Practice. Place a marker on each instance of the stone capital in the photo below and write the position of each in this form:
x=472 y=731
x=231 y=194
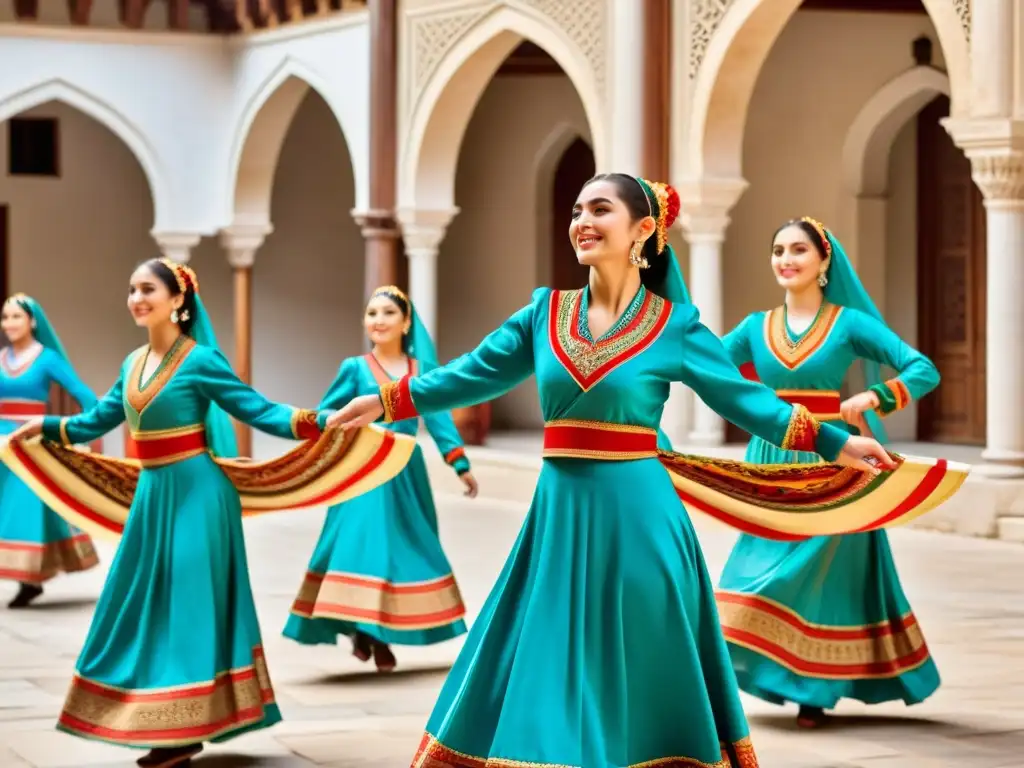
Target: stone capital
x=376 y=223
x=177 y=246
x=705 y=205
x=423 y=229
x=241 y=241
x=995 y=147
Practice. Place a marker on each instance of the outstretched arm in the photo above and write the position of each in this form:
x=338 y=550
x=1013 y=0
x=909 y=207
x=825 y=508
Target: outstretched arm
x=503 y=360
x=219 y=383
x=92 y=424
x=706 y=367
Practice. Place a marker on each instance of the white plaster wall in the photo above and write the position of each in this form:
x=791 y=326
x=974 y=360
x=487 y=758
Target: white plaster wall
x=332 y=56
x=308 y=275
x=167 y=91
x=75 y=240
x=489 y=260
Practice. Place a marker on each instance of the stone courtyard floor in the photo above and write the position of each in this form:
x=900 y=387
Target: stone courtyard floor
x=968 y=594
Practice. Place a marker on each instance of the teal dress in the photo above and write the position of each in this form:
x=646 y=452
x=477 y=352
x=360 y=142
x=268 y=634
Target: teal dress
x=36 y=543
x=378 y=567
x=174 y=654
x=822 y=619
x=599 y=646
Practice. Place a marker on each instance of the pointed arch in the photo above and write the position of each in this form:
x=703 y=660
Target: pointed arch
x=429 y=154
x=260 y=135
x=104 y=113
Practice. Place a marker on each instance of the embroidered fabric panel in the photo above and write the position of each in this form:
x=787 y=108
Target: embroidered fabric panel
x=793 y=354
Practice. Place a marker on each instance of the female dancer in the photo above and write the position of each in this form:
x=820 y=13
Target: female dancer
x=35 y=542
x=174 y=656
x=822 y=619
x=600 y=643
x=378 y=572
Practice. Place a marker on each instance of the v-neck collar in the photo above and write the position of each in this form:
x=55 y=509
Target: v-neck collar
x=140 y=394
x=794 y=352
x=624 y=319
x=11 y=369
x=380 y=373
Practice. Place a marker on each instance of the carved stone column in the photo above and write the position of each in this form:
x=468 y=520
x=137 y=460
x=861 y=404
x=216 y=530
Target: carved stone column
x=705 y=217
x=626 y=34
x=240 y=242
x=423 y=231
x=996 y=151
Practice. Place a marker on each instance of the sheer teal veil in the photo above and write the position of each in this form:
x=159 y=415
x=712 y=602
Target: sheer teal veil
x=418 y=343
x=673 y=286
x=664 y=206
x=42 y=329
x=845 y=289
x=220 y=433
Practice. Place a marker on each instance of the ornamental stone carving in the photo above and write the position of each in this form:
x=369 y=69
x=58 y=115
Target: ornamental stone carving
x=705 y=16
x=999 y=175
x=963 y=10
x=434 y=33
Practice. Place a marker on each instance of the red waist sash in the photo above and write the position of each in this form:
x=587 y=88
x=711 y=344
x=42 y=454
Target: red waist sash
x=577 y=439
x=822 y=403
x=156 y=448
x=21 y=409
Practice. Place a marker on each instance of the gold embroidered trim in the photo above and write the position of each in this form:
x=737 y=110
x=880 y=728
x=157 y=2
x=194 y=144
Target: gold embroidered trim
x=802 y=433
x=140 y=394
x=433 y=754
x=366 y=599
x=304 y=423
x=35 y=563
x=389 y=397
x=589 y=362
x=13 y=372
x=63 y=424
x=793 y=354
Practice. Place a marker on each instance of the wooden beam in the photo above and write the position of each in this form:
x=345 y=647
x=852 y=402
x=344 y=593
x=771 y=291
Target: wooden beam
x=243 y=345
x=133 y=13
x=26 y=9
x=79 y=10
x=177 y=14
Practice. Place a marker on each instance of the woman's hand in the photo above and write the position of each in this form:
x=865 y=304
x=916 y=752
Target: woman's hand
x=360 y=412
x=853 y=409
x=30 y=428
x=865 y=453
x=470 y=482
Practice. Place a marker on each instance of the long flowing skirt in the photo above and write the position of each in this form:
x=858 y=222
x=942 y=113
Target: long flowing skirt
x=174 y=654
x=822 y=619
x=600 y=644
x=35 y=543
x=379 y=568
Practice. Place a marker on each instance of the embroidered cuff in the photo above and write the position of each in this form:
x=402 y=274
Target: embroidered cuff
x=457 y=460
x=305 y=424
x=55 y=428
x=397 y=401
x=802 y=433
x=893 y=396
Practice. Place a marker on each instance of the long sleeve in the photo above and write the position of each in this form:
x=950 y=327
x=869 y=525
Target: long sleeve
x=343 y=388
x=60 y=370
x=706 y=368
x=503 y=360
x=219 y=383
x=917 y=375
x=737 y=342
x=92 y=424
x=446 y=437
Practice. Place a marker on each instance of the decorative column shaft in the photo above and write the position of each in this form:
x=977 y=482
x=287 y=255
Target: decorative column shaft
x=423 y=231
x=627 y=86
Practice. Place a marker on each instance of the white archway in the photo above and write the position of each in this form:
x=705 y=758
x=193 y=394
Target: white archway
x=260 y=135
x=866 y=152
x=429 y=152
x=105 y=114
x=734 y=58
x=545 y=165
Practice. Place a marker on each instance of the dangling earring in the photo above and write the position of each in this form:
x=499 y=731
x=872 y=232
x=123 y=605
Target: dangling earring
x=822 y=279
x=636 y=257
x=405 y=331
x=184 y=316
x=174 y=316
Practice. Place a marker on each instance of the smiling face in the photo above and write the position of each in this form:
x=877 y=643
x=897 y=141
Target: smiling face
x=150 y=300
x=384 y=321
x=602 y=227
x=15 y=321
x=796 y=259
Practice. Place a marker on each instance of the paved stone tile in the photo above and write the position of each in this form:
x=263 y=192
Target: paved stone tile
x=968 y=595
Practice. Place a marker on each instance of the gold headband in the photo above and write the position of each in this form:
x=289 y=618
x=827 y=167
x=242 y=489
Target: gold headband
x=184 y=275
x=822 y=233
x=392 y=290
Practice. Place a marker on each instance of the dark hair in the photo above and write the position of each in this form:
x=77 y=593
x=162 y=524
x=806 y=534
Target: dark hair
x=187 y=313
x=640 y=205
x=808 y=229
